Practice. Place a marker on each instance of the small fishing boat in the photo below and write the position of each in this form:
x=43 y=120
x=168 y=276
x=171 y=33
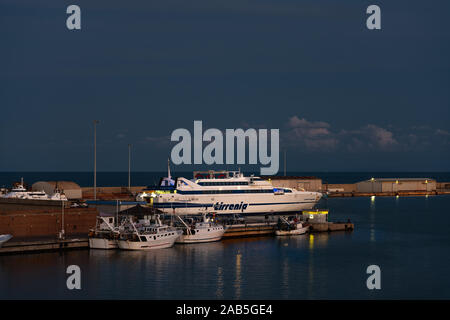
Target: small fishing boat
x=4 y=238
x=105 y=235
x=145 y=236
x=203 y=231
x=290 y=228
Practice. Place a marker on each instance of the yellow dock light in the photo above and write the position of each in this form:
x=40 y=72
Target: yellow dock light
x=426 y=181
x=372 y=179
x=396 y=181
x=315 y=211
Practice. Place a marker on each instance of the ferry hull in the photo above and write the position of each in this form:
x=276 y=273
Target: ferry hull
x=102 y=243
x=244 y=205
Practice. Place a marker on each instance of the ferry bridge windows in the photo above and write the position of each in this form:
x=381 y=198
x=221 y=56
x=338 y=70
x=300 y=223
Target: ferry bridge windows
x=228 y=191
x=239 y=183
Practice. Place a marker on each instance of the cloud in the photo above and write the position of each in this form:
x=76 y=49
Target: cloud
x=443 y=133
x=162 y=141
x=319 y=136
x=379 y=137
x=310 y=134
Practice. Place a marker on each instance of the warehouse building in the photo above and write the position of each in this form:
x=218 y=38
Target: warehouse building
x=70 y=189
x=396 y=185
x=296 y=182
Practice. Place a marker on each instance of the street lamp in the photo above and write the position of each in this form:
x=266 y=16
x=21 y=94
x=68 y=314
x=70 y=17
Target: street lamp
x=95 y=158
x=63 y=232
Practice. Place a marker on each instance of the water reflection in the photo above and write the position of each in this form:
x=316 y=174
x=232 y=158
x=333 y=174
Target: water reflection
x=219 y=291
x=237 y=282
x=311 y=242
x=311 y=266
x=320 y=265
x=372 y=219
x=285 y=273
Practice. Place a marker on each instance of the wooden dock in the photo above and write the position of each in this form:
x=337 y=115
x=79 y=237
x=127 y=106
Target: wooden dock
x=331 y=226
x=250 y=230
x=43 y=245
x=268 y=229
x=386 y=194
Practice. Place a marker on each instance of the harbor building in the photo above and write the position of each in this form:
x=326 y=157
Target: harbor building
x=296 y=182
x=71 y=189
x=396 y=185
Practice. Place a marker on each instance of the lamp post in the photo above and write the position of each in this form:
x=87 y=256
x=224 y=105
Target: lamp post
x=95 y=158
x=62 y=236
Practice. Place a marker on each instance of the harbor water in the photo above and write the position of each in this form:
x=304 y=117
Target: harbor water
x=115 y=179
x=407 y=237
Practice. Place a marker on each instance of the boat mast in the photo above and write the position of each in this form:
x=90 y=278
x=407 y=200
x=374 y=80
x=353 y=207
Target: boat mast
x=168 y=169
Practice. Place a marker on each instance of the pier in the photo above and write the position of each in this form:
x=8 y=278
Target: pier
x=40 y=245
x=252 y=229
x=268 y=229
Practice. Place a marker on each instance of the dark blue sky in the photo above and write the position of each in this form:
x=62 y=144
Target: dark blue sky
x=344 y=97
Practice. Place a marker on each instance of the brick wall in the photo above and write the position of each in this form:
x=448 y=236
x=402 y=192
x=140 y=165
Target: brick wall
x=47 y=222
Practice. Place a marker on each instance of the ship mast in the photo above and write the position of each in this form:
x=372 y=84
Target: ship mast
x=168 y=169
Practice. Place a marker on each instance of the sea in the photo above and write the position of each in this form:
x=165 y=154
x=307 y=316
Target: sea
x=407 y=238
x=114 y=179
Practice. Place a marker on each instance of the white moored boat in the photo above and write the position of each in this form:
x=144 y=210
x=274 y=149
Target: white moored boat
x=20 y=192
x=148 y=236
x=4 y=238
x=105 y=235
x=290 y=228
x=229 y=192
x=201 y=231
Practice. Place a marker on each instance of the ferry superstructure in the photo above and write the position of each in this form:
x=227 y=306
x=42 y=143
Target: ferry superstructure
x=230 y=192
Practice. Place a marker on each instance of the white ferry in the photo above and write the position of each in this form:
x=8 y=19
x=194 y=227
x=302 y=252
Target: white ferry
x=229 y=192
x=19 y=192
